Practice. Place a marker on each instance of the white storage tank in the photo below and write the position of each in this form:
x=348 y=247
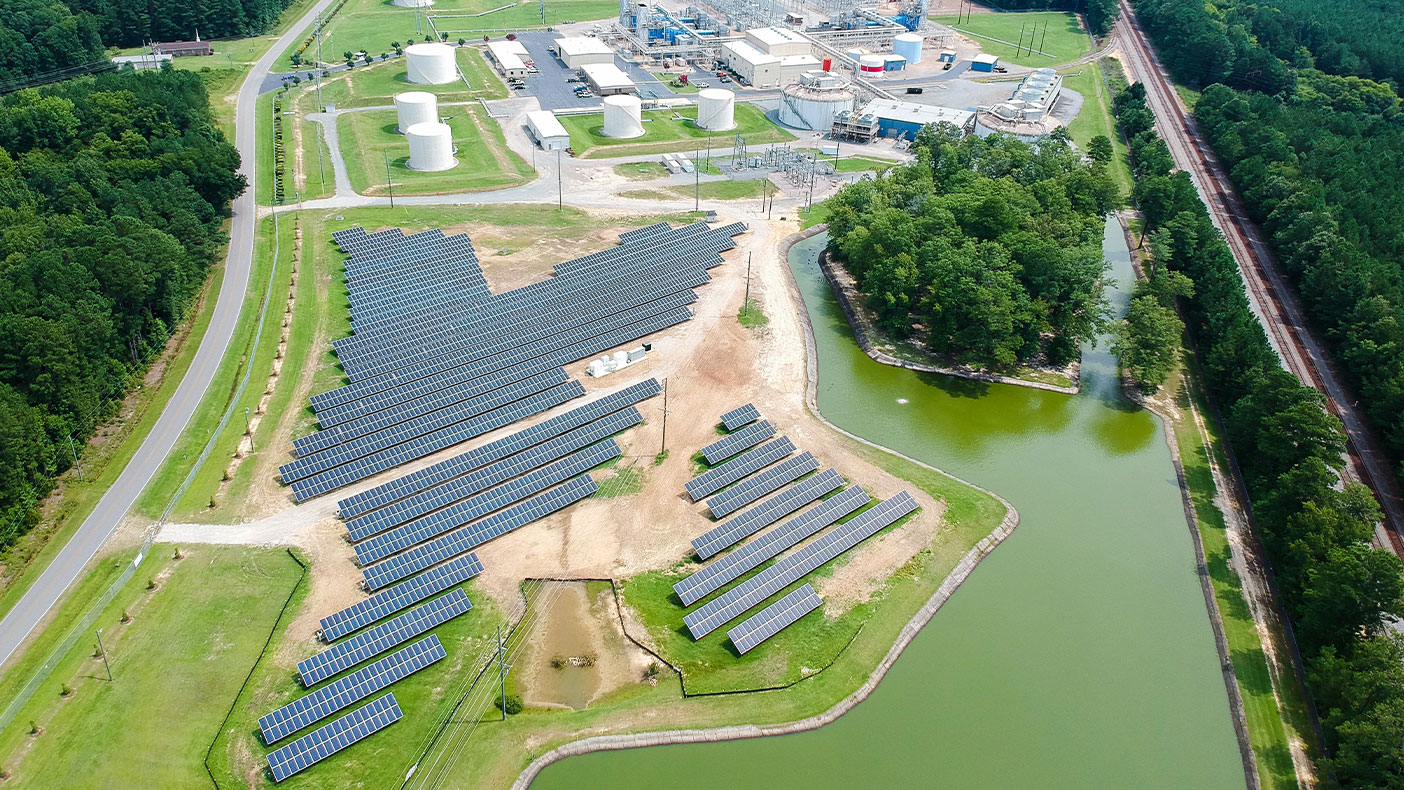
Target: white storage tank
x=430 y=146
x=716 y=109
x=430 y=64
x=412 y=107
x=412 y=3
x=813 y=102
x=908 y=45
x=623 y=117
x=854 y=53
x=871 y=64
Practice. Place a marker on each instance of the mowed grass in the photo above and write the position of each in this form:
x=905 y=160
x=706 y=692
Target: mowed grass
x=484 y=160
x=1064 y=39
x=375 y=85
x=175 y=666
x=709 y=190
x=641 y=171
x=1095 y=118
x=665 y=131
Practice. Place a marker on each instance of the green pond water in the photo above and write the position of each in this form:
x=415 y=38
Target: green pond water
x=1078 y=655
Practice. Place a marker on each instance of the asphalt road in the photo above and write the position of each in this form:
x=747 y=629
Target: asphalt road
x=65 y=569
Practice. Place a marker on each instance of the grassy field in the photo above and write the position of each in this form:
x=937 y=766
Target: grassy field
x=1063 y=40
x=1096 y=118
x=1267 y=731
x=484 y=160
x=641 y=171
x=376 y=85
x=855 y=164
x=708 y=190
x=207 y=620
x=664 y=131
x=676 y=87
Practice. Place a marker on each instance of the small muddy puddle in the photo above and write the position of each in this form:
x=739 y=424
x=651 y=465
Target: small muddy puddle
x=565 y=658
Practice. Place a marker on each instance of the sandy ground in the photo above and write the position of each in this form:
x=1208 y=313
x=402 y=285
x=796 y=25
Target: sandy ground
x=711 y=364
x=595 y=630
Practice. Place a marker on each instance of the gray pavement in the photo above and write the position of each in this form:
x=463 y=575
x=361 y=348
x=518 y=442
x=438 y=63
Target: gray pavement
x=54 y=581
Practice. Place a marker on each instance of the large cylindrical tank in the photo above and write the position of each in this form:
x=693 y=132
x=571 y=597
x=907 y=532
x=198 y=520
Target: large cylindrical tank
x=412 y=107
x=716 y=109
x=430 y=64
x=813 y=107
x=854 y=53
x=908 y=45
x=870 y=64
x=412 y=3
x=623 y=117
x=431 y=146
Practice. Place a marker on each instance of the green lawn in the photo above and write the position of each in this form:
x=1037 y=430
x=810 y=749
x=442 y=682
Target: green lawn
x=708 y=190
x=1064 y=39
x=1096 y=118
x=484 y=160
x=176 y=665
x=855 y=164
x=376 y=85
x=641 y=171
x=676 y=87
x=664 y=132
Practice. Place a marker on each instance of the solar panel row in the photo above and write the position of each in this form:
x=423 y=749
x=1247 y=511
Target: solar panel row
x=744 y=439
x=766 y=513
x=717 y=478
x=736 y=601
x=448 y=545
x=460 y=488
x=772 y=619
x=378 y=547
x=374 y=641
x=442 y=471
x=739 y=416
x=749 y=490
x=745 y=558
x=331 y=738
x=396 y=597
x=358 y=685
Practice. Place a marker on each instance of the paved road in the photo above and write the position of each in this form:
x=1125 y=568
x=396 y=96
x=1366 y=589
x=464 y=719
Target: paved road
x=65 y=569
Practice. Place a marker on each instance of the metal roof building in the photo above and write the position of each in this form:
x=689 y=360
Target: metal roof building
x=607 y=79
x=546 y=130
x=577 y=51
x=905 y=119
x=509 y=57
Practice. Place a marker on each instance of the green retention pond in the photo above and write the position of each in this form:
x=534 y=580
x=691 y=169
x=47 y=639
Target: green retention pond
x=1078 y=655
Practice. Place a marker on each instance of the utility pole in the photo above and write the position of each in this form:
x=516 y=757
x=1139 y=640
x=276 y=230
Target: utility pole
x=1041 y=41
x=813 y=174
x=74 y=450
x=746 y=305
x=696 y=182
x=248 y=428
x=502 y=671
x=103 y=651
x=663 y=446
x=388 y=183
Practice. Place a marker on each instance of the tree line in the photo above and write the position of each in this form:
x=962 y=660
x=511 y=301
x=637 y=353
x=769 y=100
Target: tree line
x=1101 y=15
x=112 y=192
x=989 y=250
x=1337 y=589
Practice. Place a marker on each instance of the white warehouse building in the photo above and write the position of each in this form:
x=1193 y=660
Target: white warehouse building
x=779 y=42
x=510 y=58
x=607 y=79
x=577 y=51
x=544 y=128
x=763 y=70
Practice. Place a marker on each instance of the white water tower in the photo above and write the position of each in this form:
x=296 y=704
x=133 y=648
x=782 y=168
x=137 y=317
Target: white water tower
x=430 y=64
x=623 y=117
x=412 y=107
x=430 y=146
x=716 y=109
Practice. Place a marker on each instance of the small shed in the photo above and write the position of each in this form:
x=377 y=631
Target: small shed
x=948 y=56
x=984 y=62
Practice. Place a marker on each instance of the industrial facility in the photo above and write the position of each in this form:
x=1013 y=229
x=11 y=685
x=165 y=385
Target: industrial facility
x=890 y=118
x=1028 y=114
x=815 y=100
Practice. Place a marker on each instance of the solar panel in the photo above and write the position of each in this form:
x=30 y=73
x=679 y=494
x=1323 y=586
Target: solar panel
x=372 y=642
x=459 y=488
x=392 y=599
x=336 y=735
x=380 y=546
x=736 y=601
x=723 y=571
x=739 y=416
x=717 y=478
x=493 y=451
x=766 y=513
x=470 y=537
x=744 y=439
x=749 y=490
x=346 y=691
x=772 y=619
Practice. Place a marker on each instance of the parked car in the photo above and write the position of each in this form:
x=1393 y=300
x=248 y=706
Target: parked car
x=704 y=84
x=915 y=90
x=1001 y=69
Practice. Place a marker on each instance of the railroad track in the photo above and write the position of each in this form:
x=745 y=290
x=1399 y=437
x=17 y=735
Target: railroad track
x=1268 y=290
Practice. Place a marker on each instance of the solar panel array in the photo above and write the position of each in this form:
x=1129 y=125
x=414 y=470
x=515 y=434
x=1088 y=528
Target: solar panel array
x=739 y=416
x=744 y=439
x=344 y=655
x=772 y=619
x=752 y=488
x=727 y=569
x=736 y=601
x=717 y=478
x=393 y=599
x=436 y=359
x=358 y=685
x=331 y=738
x=766 y=513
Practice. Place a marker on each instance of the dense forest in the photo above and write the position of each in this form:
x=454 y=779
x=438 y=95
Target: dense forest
x=41 y=36
x=991 y=247
x=112 y=192
x=1337 y=590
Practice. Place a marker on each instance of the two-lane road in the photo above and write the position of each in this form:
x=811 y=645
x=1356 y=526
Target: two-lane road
x=65 y=568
